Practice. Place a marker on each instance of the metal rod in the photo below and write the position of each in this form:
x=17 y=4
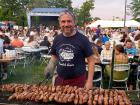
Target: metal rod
x=125 y=13
x=112 y=67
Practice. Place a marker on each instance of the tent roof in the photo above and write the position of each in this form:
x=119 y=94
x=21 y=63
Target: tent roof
x=48 y=10
x=108 y=23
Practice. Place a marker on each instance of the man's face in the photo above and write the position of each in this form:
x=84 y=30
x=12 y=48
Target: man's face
x=5 y=45
x=67 y=24
x=129 y=45
x=107 y=46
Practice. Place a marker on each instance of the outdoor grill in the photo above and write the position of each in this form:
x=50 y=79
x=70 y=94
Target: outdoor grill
x=25 y=94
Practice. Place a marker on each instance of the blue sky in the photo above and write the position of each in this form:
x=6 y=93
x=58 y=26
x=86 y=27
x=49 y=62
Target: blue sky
x=106 y=9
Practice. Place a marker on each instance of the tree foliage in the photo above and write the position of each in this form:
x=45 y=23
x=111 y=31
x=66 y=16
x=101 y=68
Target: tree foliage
x=135 y=8
x=83 y=14
x=37 y=4
x=60 y=4
x=15 y=10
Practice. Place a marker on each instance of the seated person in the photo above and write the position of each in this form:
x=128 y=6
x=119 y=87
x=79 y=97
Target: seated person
x=96 y=55
x=16 y=42
x=120 y=58
x=106 y=53
x=99 y=45
x=46 y=43
x=32 y=42
x=129 y=49
x=6 y=45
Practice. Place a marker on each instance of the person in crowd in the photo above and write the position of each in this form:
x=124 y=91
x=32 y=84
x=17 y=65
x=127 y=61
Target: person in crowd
x=69 y=51
x=16 y=42
x=98 y=45
x=120 y=58
x=106 y=53
x=6 y=46
x=32 y=42
x=124 y=37
x=89 y=34
x=136 y=36
x=1 y=45
x=129 y=49
x=134 y=60
x=138 y=47
x=98 y=31
x=96 y=55
x=104 y=38
x=3 y=36
x=46 y=43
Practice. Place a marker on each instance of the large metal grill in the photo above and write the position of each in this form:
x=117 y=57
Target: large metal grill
x=4 y=95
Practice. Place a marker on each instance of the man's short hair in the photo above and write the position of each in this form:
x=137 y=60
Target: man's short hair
x=69 y=13
x=129 y=40
x=6 y=41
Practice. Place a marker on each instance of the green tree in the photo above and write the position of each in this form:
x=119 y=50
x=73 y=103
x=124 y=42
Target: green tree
x=83 y=14
x=37 y=4
x=135 y=8
x=60 y=4
x=13 y=10
x=49 y=4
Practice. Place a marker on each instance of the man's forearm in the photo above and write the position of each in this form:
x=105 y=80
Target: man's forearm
x=90 y=71
x=89 y=82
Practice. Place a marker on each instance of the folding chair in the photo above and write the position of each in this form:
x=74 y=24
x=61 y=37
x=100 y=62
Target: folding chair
x=138 y=81
x=121 y=74
x=45 y=57
x=11 y=64
x=20 y=57
x=98 y=75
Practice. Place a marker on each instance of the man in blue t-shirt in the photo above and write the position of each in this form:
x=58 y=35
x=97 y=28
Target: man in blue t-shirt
x=130 y=50
x=69 y=51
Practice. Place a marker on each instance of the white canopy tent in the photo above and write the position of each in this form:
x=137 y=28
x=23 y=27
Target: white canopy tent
x=108 y=23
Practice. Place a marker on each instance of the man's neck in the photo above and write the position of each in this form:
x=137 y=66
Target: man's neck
x=72 y=34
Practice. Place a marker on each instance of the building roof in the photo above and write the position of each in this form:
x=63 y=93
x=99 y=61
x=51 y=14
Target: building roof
x=48 y=10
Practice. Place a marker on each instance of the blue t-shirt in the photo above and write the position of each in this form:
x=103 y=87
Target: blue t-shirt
x=105 y=39
x=71 y=53
x=132 y=51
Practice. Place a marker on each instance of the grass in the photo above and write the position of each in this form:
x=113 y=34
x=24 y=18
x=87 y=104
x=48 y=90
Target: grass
x=31 y=74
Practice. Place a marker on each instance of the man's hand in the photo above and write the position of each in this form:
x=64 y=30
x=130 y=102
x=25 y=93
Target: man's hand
x=89 y=85
x=47 y=75
x=49 y=70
